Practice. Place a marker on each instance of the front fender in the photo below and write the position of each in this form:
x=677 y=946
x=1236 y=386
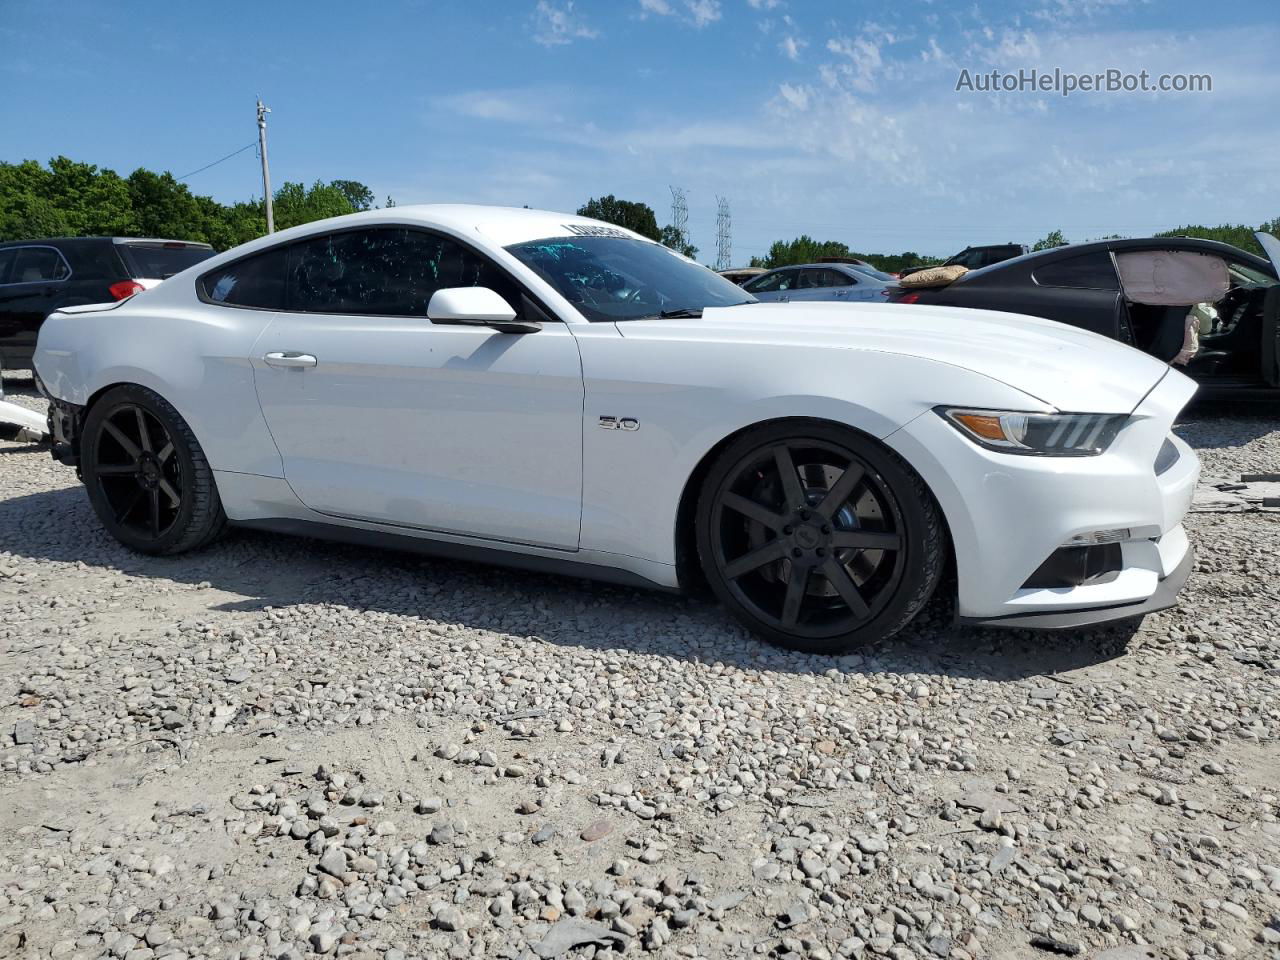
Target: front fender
x=634 y=481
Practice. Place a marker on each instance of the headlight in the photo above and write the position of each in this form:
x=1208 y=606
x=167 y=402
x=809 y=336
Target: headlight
x=1037 y=434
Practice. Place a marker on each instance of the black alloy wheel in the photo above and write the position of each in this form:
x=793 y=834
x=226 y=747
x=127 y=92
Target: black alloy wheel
x=146 y=475
x=818 y=538
x=136 y=471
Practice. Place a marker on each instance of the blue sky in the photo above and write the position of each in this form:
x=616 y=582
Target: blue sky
x=837 y=119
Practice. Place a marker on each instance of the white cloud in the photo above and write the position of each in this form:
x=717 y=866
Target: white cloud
x=697 y=12
x=791 y=46
x=557 y=24
x=763 y=4
x=863 y=62
x=703 y=12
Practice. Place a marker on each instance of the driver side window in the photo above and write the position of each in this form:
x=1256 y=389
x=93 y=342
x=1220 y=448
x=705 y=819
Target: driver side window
x=385 y=271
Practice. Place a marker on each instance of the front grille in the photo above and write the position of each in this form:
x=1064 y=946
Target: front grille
x=1167 y=456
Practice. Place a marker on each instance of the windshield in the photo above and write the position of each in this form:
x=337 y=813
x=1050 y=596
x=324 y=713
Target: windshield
x=619 y=278
x=871 y=271
x=160 y=261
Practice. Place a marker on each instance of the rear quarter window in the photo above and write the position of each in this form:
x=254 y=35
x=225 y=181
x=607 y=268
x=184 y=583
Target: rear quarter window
x=257 y=281
x=1088 y=271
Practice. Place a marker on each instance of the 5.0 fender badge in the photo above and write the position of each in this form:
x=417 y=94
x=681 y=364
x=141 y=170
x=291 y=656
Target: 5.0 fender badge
x=619 y=423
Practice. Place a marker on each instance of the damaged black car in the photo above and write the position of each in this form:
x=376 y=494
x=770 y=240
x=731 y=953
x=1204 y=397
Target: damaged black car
x=1209 y=308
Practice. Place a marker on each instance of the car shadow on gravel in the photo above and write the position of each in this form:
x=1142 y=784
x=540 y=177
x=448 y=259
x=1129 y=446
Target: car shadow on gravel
x=265 y=570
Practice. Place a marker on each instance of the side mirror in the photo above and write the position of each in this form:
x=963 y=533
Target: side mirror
x=476 y=307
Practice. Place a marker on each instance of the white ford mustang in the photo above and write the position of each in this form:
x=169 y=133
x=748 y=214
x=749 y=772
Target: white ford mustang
x=557 y=393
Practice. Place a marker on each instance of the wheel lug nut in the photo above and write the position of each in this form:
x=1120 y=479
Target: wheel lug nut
x=796 y=552
x=821 y=552
x=804 y=514
x=826 y=529
x=787 y=530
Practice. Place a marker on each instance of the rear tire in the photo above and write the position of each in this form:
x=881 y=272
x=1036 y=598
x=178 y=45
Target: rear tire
x=818 y=538
x=146 y=475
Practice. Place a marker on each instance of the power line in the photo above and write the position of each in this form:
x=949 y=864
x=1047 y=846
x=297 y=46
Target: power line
x=247 y=146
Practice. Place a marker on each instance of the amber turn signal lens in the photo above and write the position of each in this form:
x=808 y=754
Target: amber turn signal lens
x=982 y=425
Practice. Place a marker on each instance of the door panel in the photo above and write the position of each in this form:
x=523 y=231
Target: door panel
x=455 y=429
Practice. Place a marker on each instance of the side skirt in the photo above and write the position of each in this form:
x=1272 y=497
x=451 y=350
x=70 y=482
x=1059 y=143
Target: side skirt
x=453 y=551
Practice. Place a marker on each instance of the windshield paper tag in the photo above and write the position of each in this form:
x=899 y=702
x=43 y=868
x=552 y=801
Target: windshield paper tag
x=589 y=230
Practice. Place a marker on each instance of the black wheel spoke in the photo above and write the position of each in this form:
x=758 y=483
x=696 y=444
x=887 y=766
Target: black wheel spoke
x=115 y=469
x=154 y=512
x=790 y=479
x=771 y=551
x=840 y=491
x=867 y=539
x=117 y=434
x=144 y=436
x=132 y=502
x=796 y=587
x=755 y=511
x=165 y=452
x=843 y=584
x=167 y=488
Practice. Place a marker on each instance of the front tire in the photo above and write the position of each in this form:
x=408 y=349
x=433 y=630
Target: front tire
x=818 y=538
x=147 y=478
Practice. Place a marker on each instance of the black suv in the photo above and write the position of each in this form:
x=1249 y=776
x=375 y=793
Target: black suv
x=39 y=276
x=975 y=258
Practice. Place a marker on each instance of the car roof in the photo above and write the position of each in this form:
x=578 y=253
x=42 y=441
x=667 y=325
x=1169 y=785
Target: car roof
x=50 y=241
x=499 y=226
x=1128 y=243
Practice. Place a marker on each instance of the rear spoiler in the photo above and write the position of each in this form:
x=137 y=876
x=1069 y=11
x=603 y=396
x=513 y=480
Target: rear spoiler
x=89 y=307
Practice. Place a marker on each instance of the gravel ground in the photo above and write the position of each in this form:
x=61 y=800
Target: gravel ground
x=282 y=748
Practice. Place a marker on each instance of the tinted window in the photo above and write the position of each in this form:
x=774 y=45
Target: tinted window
x=765 y=283
x=834 y=278
x=34 y=264
x=160 y=261
x=6 y=261
x=1093 y=271
x=256 y=281
x=389 y=272
x=621 y=278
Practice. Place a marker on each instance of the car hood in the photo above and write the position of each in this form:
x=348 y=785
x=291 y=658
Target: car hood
x=1068 y=368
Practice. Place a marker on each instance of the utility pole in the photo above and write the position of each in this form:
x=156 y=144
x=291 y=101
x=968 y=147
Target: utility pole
x=263 y=110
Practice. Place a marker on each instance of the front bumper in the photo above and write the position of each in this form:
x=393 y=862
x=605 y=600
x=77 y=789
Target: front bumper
x=1008 y=514
x=1165 y=596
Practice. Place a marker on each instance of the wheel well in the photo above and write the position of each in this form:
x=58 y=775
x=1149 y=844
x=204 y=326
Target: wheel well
x=83 y=412
x=689 y=570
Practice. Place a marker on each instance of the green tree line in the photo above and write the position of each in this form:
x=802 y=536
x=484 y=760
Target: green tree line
x=66 y=198
x=72 y=199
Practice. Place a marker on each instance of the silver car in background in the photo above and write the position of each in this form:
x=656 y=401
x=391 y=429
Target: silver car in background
x=822 y=281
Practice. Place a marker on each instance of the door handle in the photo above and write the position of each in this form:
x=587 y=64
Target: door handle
x=290 y=359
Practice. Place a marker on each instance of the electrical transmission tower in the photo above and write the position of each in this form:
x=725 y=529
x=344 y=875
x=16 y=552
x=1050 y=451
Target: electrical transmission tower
x=724 y=235
x=680 y=216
